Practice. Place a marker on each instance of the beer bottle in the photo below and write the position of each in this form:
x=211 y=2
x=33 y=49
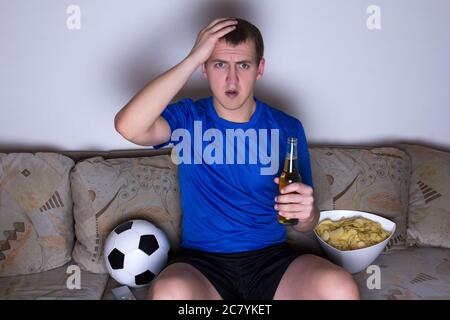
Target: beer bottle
x=290 y=174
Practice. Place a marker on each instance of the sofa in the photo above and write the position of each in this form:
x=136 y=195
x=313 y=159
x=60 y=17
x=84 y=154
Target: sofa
x=56 y=209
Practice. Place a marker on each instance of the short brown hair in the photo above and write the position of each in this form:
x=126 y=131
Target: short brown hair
x=246 y=31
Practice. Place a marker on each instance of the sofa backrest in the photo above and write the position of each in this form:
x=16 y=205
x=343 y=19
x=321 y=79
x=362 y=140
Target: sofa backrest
x=38 y=230
x=429 y=197
x=374 y=180
x=36 y=223
x=108 y=192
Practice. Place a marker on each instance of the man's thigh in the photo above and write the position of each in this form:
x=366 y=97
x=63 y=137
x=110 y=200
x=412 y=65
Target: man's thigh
x=312 y=277
x=181 y=281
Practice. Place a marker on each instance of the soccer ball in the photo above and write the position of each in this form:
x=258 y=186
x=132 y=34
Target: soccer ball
x=135 y=252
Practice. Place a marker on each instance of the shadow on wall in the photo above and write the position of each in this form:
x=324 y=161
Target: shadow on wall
x=274 y=96
x=10 y=148
x=32 y=148
x=145 y=52
x=136 y=77
x=381 y=143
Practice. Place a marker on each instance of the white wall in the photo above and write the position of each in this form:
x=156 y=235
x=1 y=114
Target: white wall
x=60 y=89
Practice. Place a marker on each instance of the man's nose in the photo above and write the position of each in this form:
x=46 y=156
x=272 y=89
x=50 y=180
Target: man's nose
x=232 y=76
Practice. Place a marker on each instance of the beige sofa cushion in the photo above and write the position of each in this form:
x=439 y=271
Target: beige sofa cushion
x=36 y=225
x=375 y=180
x=109 y=192
x=55 y=284
x=429 y=199
x=410 y=274
x=140 y=293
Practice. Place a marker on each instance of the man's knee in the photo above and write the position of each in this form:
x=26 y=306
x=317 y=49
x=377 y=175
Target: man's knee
x=170 y=288
x=181 y=281
x=338 y=284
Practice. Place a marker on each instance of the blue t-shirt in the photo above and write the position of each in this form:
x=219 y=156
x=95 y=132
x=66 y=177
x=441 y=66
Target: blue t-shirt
x=227 y=192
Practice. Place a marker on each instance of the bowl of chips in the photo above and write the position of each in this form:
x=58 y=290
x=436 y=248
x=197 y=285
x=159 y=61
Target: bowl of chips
x=353 y=239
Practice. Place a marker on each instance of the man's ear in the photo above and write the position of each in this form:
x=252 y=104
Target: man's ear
x=205 y=76
x=261 y=66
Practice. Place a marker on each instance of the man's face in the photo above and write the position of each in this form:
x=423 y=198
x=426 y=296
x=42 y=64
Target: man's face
x=232 y=73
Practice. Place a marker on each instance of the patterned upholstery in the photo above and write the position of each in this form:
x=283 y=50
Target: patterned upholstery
x=36 y=223
x=375 y=180
x=427 y=278
x=109 y=192
x=414 y=273
x=429 y=197
x=37 y=228
x=52 y=285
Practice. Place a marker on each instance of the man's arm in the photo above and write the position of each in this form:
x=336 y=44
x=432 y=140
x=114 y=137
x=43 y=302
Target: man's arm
x=140 y=120
x=309 y=224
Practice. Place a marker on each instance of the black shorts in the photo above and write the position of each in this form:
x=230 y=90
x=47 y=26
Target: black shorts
x=250 y=275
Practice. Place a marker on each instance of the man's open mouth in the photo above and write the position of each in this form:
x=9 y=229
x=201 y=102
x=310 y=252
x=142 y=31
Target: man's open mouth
x=231 y=94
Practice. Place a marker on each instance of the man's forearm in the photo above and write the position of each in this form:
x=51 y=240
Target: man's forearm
x=305 y=226
x=146 y=106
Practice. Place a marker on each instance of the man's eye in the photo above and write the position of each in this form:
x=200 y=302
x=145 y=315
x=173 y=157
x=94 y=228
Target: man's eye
x=245 y=66
x=219 y=65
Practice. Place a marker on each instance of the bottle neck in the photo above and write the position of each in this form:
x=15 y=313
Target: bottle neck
x=290 y=160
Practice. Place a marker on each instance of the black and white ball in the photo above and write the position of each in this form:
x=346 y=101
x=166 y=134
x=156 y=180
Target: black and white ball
x=135 y=252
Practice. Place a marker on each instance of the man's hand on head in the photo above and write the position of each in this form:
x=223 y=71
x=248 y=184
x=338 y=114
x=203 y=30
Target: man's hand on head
x=296 y=200
x=208 y=37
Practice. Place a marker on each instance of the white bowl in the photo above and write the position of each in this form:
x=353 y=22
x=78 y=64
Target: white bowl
x=355 y=260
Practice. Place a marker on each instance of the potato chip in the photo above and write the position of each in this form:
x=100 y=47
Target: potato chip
x=351 y=233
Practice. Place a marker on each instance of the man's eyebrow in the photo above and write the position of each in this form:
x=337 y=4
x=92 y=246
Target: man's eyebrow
x=243 y=61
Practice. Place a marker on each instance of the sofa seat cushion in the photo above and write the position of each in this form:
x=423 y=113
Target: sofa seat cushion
x=52 y=285
x=139 y=293
x=413 y=273
x=410 y=274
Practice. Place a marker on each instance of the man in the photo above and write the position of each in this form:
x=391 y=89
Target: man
x=232 y=245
